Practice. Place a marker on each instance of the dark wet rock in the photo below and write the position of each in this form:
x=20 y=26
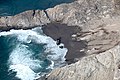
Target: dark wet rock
x=96 y=24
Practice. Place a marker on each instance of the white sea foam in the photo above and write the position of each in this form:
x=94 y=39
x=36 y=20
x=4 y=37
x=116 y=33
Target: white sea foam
x=20 y=58
x=23 y=72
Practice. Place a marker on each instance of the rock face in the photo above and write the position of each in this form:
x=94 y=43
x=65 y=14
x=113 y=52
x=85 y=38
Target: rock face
x=79 y=13
x=103 y=66
x=103 y=56
x=26 y=19
x=99 y=21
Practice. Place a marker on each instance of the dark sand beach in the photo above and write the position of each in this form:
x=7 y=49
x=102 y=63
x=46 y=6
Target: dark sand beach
x=57 y=30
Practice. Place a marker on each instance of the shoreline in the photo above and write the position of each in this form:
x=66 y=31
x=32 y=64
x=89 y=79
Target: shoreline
x=39 y=49
x=57 y=30
x=8 y=28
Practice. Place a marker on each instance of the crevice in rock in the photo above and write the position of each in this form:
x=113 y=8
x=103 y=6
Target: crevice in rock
x=100 y=62
x=118 y=66
x=33 y=13
x=47 y=15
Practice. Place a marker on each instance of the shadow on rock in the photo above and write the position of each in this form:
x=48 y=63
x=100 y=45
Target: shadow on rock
x=67 y=35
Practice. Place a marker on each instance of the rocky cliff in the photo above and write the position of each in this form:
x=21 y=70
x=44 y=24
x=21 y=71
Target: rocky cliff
x=102 y=61
x=100 y=27
x=79 y=13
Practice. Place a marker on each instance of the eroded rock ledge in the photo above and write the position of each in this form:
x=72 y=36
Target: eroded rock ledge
x=100 y=27
x=103 y=66
x=79 y=13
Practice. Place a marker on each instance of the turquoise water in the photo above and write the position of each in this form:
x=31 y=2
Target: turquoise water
x=12 y=7
x=27 y=54
x=8 y=44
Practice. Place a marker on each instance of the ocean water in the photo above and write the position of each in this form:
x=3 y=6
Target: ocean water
x=12 y=7
x=28 y=54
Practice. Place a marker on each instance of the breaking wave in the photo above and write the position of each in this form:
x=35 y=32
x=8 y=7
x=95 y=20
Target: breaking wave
x=33 y=53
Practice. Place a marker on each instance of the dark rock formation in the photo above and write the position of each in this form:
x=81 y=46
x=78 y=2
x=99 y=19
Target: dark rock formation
x=99 y=21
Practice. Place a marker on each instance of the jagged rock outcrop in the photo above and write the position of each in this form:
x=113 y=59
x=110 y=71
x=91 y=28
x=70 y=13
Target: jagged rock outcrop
x=103 y=56
x=78 y=13
x=99 y=21
x=103 y=66
x=26 y=19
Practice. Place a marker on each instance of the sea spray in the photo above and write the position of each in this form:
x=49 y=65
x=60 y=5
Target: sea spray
x=33 y=53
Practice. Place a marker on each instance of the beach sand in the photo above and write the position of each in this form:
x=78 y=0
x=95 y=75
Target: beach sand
x=57 y=30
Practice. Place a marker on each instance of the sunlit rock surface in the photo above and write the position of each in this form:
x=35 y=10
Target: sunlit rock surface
x=100 y=27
